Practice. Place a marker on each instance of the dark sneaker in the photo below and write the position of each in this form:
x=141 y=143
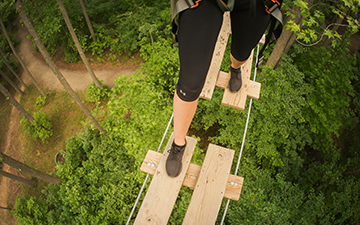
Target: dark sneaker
x=235 y=81
x=174 y=161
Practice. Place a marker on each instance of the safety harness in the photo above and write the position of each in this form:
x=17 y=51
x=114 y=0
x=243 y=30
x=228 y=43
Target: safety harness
x=272 y=7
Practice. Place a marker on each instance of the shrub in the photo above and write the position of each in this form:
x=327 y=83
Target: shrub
x=99 y=185
x=40 y=128
x=40 y=102
x=95 y=94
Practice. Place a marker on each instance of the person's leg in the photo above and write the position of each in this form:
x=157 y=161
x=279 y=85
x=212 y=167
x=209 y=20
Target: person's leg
x=246 y=31
x=236 y=63
x=183 y=115
x=198 y=32
x=197 y=35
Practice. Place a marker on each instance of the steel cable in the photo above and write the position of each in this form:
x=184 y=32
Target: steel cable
x=147 y=176
x=244 y=136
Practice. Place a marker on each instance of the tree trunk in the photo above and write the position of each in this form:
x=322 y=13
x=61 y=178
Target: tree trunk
x=87 y=20
x=287 y=38
x=54 y=67
x=11 y=82
x=77 y=43
x=290 y=43
x=351 y=172
x=6 y=208
x=31 y=183
x=28 y=170
x=282 y=42
x=19 y=59
x=16 y=104
x=2 y=55
x=279 y=47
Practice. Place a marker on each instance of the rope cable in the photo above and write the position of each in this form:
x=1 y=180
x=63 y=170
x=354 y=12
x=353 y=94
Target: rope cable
x=147 y=176
x=244 y=136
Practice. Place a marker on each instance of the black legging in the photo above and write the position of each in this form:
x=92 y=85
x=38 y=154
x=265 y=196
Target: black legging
x=197 y=35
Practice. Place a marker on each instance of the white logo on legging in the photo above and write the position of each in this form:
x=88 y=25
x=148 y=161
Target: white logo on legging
x=182 y=92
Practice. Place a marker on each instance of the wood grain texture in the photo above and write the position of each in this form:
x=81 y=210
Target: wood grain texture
x=163 y=190
x=217 y=58
x=253 y=90
x=253 y=87
x=233 y=184
x=210 y=186
x=238 y=99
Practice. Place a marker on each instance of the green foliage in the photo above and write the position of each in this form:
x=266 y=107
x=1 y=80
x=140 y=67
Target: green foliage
x=8 y=15
x=161 y=67
x=135 y=28
x=40 y=128
x=95 y=94
x=301 y=149
x=330 y=73
x=119 y=26
x=7 y=11
x=98 y=186
x=47 y=21
x=276 y=124
x=272 y=200
x=30 y=210
x=40 y=102
x=181 y=206
x=138 y=113
x=100 y=11
x=314 y=24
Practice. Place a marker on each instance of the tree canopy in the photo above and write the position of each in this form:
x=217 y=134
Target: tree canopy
x=301 y=157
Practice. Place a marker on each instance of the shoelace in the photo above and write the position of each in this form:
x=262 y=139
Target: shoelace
x=174 y=153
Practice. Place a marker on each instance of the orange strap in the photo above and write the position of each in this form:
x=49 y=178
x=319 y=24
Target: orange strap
x=196 y=4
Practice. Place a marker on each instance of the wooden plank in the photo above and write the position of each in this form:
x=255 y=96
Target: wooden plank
x=237 y=100
x=262 y=40
x=210 y=188
x=233 y=185
x=253 y=90
x=223 y=79
x=217 y=57
x=163 y=190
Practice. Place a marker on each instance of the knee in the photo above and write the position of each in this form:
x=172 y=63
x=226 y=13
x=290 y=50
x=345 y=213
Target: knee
x=189 y=93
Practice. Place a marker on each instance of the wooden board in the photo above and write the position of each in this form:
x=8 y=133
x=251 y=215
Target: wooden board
x=233 y=185
x=217 y=57
x=238 y=99
x=253 y=89
x=210 y=186
x=163 y=190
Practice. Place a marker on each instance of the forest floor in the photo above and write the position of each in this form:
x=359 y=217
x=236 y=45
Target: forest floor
x=78 y=78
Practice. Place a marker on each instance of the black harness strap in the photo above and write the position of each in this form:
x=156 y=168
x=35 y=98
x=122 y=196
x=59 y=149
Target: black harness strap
x=273 y=8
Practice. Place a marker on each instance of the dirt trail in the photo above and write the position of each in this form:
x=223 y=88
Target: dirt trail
x=76 y=73
x=9 y=188
x=78 y=78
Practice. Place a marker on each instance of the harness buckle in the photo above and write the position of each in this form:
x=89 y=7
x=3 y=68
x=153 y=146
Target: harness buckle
x=271 y=5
